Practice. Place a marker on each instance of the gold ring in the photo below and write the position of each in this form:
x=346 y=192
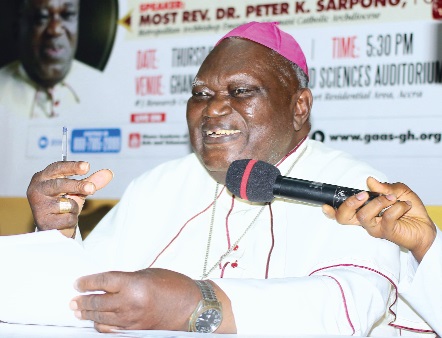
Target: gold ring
x=65 y=205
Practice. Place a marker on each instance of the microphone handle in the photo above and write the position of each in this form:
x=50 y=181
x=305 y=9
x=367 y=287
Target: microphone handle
x=314 y=192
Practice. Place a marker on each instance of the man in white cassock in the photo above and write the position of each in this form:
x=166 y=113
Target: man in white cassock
x=185 y=254
x=46 y=81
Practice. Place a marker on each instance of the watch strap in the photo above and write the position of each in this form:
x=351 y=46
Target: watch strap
x=206 y=290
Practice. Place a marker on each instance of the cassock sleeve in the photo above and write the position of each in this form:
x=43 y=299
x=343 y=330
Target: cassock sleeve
x=424 y=290
x=340 y=300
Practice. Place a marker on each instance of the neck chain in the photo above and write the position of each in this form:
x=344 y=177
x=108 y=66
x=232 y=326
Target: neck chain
x=207 y=272
x=209 y=239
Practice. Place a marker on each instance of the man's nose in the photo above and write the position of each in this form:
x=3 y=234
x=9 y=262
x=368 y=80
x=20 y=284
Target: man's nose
x=55 y=26
x=217 y=106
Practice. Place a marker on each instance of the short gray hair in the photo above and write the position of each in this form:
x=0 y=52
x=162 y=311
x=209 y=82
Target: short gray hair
x=291 y=69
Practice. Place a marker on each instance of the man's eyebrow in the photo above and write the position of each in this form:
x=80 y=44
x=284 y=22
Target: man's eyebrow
x=69 y=5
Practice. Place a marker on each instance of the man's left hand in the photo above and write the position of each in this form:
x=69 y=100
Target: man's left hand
x=150 y=299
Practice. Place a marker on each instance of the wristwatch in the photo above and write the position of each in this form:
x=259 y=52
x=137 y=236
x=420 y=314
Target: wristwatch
x=208 y=314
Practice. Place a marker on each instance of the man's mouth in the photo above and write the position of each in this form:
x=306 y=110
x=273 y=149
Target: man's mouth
x=221 y=132
x=54 y=52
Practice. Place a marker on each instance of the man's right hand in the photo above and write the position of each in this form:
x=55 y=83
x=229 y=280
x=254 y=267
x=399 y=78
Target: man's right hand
x=48 y=186
x=404 y=221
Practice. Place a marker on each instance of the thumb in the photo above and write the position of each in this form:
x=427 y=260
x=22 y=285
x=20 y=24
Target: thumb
x=100 y=178
x=376 y=186
x=105 y=281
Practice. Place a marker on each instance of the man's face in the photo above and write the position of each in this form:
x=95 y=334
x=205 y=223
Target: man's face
x=48 y=39
x=241 y=107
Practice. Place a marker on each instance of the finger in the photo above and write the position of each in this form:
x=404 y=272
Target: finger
x=368 y=216
x=107 y=302
x=386 y=226
x=396 y=189
x=106 y=281
x=346 y=213
x=64 y=205
x=60 y=222
x=66 y=186
x=100 y=178
x=51 y=215
x=58 y=187
x=63 y=169
x=52 y=181
x=103 y=328
x=376 y=186
x=78 y=190
x=329 y=211
x=77 y=201
x=106 y=318
x=396 y=211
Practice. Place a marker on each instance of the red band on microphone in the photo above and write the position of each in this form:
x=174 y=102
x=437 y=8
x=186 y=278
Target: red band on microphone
x=245 y=179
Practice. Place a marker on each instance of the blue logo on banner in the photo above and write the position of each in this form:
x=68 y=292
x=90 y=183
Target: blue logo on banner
x=43 y=142
x=96 y=140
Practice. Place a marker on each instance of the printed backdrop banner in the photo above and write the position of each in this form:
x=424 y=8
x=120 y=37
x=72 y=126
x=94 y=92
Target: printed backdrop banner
x=375 y=73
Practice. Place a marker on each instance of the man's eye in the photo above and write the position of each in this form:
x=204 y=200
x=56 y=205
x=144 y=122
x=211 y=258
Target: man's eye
x=200 y=94
x=240 y=91
x=40 y=17
x=69 y=15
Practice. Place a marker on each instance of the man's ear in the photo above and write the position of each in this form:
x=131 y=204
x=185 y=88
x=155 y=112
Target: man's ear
x=303 y=101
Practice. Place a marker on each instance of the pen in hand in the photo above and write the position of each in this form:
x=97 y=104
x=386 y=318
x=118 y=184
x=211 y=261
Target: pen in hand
x=65 y=203
x=64 y=145
x=64 y=156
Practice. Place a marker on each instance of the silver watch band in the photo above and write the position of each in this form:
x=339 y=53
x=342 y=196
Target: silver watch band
x=206 y=290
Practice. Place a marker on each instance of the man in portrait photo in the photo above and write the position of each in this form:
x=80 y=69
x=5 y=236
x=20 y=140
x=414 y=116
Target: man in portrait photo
x=45 y=81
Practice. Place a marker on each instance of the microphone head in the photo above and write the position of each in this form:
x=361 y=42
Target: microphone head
x=252 y=180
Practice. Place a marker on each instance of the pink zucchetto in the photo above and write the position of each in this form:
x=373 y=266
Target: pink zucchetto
x=268 y=34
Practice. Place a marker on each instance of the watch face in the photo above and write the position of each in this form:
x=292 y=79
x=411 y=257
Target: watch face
x=208 y=321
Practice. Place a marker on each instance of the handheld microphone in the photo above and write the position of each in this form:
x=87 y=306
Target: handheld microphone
x=258 y=181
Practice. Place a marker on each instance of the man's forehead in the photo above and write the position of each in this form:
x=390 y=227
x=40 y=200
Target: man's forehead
x=238 y=60
x=51 y=3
